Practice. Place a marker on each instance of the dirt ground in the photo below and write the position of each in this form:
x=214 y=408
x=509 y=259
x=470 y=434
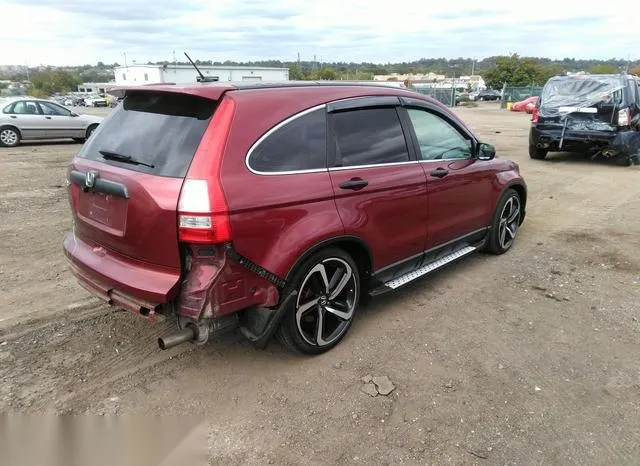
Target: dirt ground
x=527 y=358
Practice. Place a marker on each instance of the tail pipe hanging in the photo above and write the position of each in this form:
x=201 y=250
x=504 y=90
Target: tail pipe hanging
x=189 y=333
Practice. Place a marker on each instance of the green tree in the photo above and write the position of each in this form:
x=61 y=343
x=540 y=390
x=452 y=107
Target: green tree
x=325 y=74
x=516 y=71
x=50 y=82
x=296 y=73
x=603 y=68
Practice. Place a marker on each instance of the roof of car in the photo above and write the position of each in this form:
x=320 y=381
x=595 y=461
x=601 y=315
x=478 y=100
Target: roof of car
x=213 y=90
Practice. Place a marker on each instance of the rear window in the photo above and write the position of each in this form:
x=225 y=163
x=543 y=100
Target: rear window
x=582 y=91
x=160 y=130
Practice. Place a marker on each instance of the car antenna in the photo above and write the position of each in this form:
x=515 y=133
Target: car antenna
x=202 y=78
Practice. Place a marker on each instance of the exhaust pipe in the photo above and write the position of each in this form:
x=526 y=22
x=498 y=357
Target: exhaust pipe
x=188 y=334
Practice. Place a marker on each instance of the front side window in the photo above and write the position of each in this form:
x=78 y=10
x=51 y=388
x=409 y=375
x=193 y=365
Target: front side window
x=53 y=109
x=300 y=144
x=369 y=137
x=437 y=139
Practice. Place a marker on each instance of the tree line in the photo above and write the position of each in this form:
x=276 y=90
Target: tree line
x=512 y=70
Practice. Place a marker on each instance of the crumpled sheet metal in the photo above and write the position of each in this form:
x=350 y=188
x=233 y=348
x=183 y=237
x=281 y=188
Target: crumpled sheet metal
x=568 y=94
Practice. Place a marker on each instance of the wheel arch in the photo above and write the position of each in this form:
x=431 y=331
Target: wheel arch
x=352 y=245
x=91 y=127
x=520 y=188
x=15 y=128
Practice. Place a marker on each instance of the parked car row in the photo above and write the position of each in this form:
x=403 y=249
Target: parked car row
x=179 y=205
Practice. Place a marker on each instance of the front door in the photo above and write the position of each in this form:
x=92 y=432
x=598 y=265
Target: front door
x=60 y=122
x=459 y=186
x=380 y=190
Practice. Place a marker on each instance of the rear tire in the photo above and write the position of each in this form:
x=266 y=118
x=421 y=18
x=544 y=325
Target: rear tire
x=506 y=221
x=9 y=136
x=328 y=286
x=536 y=153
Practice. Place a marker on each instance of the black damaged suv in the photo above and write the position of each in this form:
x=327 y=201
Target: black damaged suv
x=598 y=115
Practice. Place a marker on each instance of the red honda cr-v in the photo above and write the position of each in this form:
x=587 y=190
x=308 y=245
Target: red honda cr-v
x=279 y=208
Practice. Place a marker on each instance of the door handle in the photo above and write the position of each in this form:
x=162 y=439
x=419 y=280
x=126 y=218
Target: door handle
x=12 y=116
x=439 y=172
x=48 y=118
x=354 y=183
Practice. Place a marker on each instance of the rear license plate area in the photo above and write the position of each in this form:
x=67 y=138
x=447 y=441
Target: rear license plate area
x=103 y=211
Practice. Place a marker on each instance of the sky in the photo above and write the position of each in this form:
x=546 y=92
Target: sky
x=73 y=32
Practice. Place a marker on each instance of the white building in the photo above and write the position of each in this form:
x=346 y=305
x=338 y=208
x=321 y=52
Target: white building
x=94 y=88
x=185 y=74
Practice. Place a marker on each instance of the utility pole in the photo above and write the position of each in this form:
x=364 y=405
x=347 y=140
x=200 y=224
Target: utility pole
x=125 y=59
x=473 y=67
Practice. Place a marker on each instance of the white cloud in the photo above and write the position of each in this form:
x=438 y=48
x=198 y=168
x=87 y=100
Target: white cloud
x=86 y=31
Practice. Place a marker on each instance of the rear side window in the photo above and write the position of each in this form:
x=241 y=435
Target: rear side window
x=369 y=137
x=299 y=144
x=161 y=131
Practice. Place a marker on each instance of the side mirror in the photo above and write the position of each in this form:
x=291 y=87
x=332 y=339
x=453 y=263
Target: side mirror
x=74 y=114
x=485 y=151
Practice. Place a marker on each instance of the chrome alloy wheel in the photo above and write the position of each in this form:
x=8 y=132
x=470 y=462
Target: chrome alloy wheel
x=8 y=137
x=326 y=302
x=509 y=222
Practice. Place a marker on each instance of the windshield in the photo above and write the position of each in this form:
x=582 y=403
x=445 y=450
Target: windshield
x=160 y=131
x=582 y=91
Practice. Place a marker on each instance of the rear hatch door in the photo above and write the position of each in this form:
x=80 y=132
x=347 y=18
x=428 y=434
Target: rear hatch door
x=582 y=102
x=126 y=180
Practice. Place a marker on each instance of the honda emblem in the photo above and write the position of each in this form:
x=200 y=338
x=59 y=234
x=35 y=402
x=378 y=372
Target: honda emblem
x=91 y=179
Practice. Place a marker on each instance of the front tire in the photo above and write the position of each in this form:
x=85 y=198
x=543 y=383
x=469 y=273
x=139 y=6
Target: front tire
x=328 y=285
x=90 y=131
x=536 y=153
x=506 y=222
x=9 y=137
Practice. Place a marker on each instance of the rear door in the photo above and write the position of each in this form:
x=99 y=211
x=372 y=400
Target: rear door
x=459 y=187
x=130 y=208
x=379 y=187
x=59 y=121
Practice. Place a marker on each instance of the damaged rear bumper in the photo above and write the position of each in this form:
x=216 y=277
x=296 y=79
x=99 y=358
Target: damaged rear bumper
x=571 y=139
x=120 y=281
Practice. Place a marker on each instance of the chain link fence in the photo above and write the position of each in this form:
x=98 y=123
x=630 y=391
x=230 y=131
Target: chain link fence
x=445 y=96
x=515 y=94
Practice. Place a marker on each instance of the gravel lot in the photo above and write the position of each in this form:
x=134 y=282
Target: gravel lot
x=527 y=358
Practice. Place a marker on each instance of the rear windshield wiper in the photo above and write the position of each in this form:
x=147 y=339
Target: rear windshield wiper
x=123 y=158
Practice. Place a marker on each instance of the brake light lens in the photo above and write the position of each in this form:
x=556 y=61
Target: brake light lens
x=202 y=214
x=534 y=115
x=624 y=117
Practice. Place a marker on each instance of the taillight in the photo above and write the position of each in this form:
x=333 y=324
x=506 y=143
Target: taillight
x=203 y=216
x=624 y=117
x=534 y=115
x=203 y=213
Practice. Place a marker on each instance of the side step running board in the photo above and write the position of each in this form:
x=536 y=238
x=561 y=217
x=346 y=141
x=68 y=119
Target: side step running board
x=408 y=277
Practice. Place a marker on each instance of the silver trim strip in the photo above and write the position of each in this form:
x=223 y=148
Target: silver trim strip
x=354 y=167
x=408 y=277
x=270 y=132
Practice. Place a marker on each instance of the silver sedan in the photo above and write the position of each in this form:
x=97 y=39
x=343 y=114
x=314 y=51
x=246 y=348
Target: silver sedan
x=29 y=119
